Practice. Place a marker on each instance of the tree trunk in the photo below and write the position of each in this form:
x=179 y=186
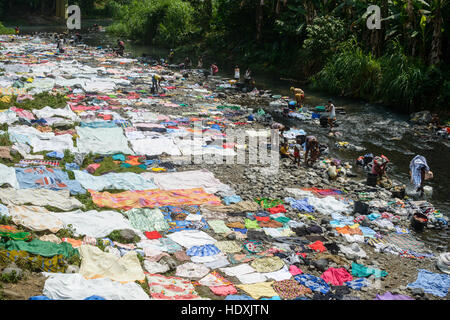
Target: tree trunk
x=436 y=44
x=259 y=20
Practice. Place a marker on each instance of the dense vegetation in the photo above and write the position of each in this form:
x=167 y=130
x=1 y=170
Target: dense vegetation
x=326 y=42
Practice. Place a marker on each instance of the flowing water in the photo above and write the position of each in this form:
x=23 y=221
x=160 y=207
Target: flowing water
x=373 y=127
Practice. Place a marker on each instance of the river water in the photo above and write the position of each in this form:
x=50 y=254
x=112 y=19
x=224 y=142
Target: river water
x=373 y=127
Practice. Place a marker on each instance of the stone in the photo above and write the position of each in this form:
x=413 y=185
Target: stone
x=417 y=292
x=72 y=269
x=127 y=235
x=231 y=236
x=321 y=264
x=12 y=268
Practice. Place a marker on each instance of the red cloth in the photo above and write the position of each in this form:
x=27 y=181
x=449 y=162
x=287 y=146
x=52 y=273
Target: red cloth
x=317 y=246
x=152 y=235
x=295 y=270
x=262 y=218
x=223 y=290
x=278 y=209
x=336 y=277
x=92 y=167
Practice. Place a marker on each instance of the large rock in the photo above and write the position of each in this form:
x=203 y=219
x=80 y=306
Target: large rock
x=321 y=264
x=128 y=235
x=422 y=117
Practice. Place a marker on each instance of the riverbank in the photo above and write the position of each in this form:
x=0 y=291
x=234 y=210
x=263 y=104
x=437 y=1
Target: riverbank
x=112 y=116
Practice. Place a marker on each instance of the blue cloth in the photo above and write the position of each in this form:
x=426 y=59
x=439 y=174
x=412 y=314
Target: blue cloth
x=118 y=157
x=215 y=127
x=4 y=211
x=251 y=118
x=238 y=297
x=434 y=283
x=244 y=231
x=72 y=166
x=273 y=298
x=357 y=283
x=301 y=205
x=39 y=298
x=203 y=251
x=232 y=199
x=314 y=283
x=48 y=178
x=99 y=124
x=373 y=216
x=55 y=154
x=40 y=121
x=94 y=297
x=367 y=232
x=415 y=166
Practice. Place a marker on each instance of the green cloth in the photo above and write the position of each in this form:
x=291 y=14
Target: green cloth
x=320 y=108
x=219 y=226
x=251 y=224
x=282 y=219
x=228 y=107
x=266 y=203
x=15 y=235
x=147 y=219
x=261 y=112
x=43 y=248
x=358 y=270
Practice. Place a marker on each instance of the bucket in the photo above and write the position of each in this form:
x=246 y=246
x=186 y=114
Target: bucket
x=418 y=221
x=361 y=207
x=372 y=179
x=428 y=191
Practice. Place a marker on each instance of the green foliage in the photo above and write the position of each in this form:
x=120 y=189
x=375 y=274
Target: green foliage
x=4 y=140
x=41 y=100
x=5 y=220
x=68 y=232
x=5 y=30
x=10 y=277
x=117 y=237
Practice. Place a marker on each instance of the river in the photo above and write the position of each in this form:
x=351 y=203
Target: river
x=373 y=127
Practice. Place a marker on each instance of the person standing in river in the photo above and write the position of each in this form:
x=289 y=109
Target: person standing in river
x=332 y=113
x=237 y=74
x=419 y=172
x=247 y=77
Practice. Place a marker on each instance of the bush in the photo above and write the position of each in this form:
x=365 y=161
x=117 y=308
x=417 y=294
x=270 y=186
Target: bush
x=5 y=30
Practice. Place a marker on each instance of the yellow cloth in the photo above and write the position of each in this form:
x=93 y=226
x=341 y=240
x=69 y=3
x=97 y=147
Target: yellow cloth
x=284 y=150
x=98 y=264
x=258 y=290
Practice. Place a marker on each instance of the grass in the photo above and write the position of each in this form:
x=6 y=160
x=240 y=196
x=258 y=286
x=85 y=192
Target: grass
x=40 y=101
x=4 y=140
x=10 y=277
x=68 y=232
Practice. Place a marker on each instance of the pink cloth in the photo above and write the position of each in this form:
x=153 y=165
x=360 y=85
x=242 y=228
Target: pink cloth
x=294 y=270
x=23 y=113
x=223 y=290
x=336 y=277
x=92 y=167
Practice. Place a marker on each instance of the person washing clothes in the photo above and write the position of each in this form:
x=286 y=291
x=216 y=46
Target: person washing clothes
x=171 y=55
x=299 y=95
x=311 y=148
x=247 y=77
x=214 y=69
x=419 y=172
x=120 y=48
x=332 y=116
x=284 y=151
x=237 y=74
x=17 y=30
x=156 y=83
x=379 y=167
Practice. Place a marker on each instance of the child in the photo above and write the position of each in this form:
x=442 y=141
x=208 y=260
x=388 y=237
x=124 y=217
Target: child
x=284 y=151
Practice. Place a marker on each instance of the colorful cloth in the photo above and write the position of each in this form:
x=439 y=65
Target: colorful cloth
x=42 y=248
x=357 y=284
x=268 y=203
x=405 y=242
x=153 y=235
x=203 y=251
x=253 y=246
x=11 y=232
x=301 y=205
x=267 y=264
x=228 y=246
x=314 y=283
x=290 y=289
x=170 y=288
x=336 y=277
x=358 y=270
x=147 y=219
x=251 y=224
x=224 y=290
x=54 y=264
x=153 y=198
x=317 y=246
x=176 y=216
x=390 y=296
x=258 y=290
x=48 y=178
x=434 y=283
x=214 y=279
x=277 y=209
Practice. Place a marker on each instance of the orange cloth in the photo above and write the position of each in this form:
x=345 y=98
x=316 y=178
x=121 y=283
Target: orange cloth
x=348 y=230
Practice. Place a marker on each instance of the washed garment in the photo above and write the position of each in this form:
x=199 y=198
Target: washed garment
x=162 y=244
x=243 y=206
x=102 y=141
x=40 y=197
x=155 y=267
x=152 y=235
x=301 y=205
x=154 y=147
x=267 y=264
x=187 y=180
x=268 y=203
x=61 y=286
x=335 y=258
x=336 y=277
x=270 y=224
x=42 y=248
x=181 y=256
x=8 y=177
x=232 y=199
x=98 y=264
x=190 y=238
x=214 y=279
x=92 y=223
x=314 y=283
x=50 y=238
x=352 y=250
x=238 y=270
x=41 y=141
x=191 y=270
x=290 y=289
x=357 y=284
x=48 y=178
x=170 y=288
x=329 y=205
x=390 y=296
x=277 y=209
x=238 y=297
x=35 y=218
x=367 y=232
x=147 y=219
x=153 y=198
x=415 y=166
x=353 y=238
x=11 y=232
x=282 y=274
x=258 y=290
x=120 y=181
x=48 y=112
x=349 y=230
x=224 y=290
x=251 y=224
x=359 y=270
x=253 y=277
x=202 y=251
x=176 y=217
x=405 y=242
x=56 y=263
x=219 y=226
x=220 y=262
x=294 y=270
x=317 y=246
x=253 y=246
x=228 y=246
x=435 y=283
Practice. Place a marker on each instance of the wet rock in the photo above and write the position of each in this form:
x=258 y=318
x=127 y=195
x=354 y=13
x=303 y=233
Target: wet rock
x=127 y=234
x=418 y=292
x=321 y=264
